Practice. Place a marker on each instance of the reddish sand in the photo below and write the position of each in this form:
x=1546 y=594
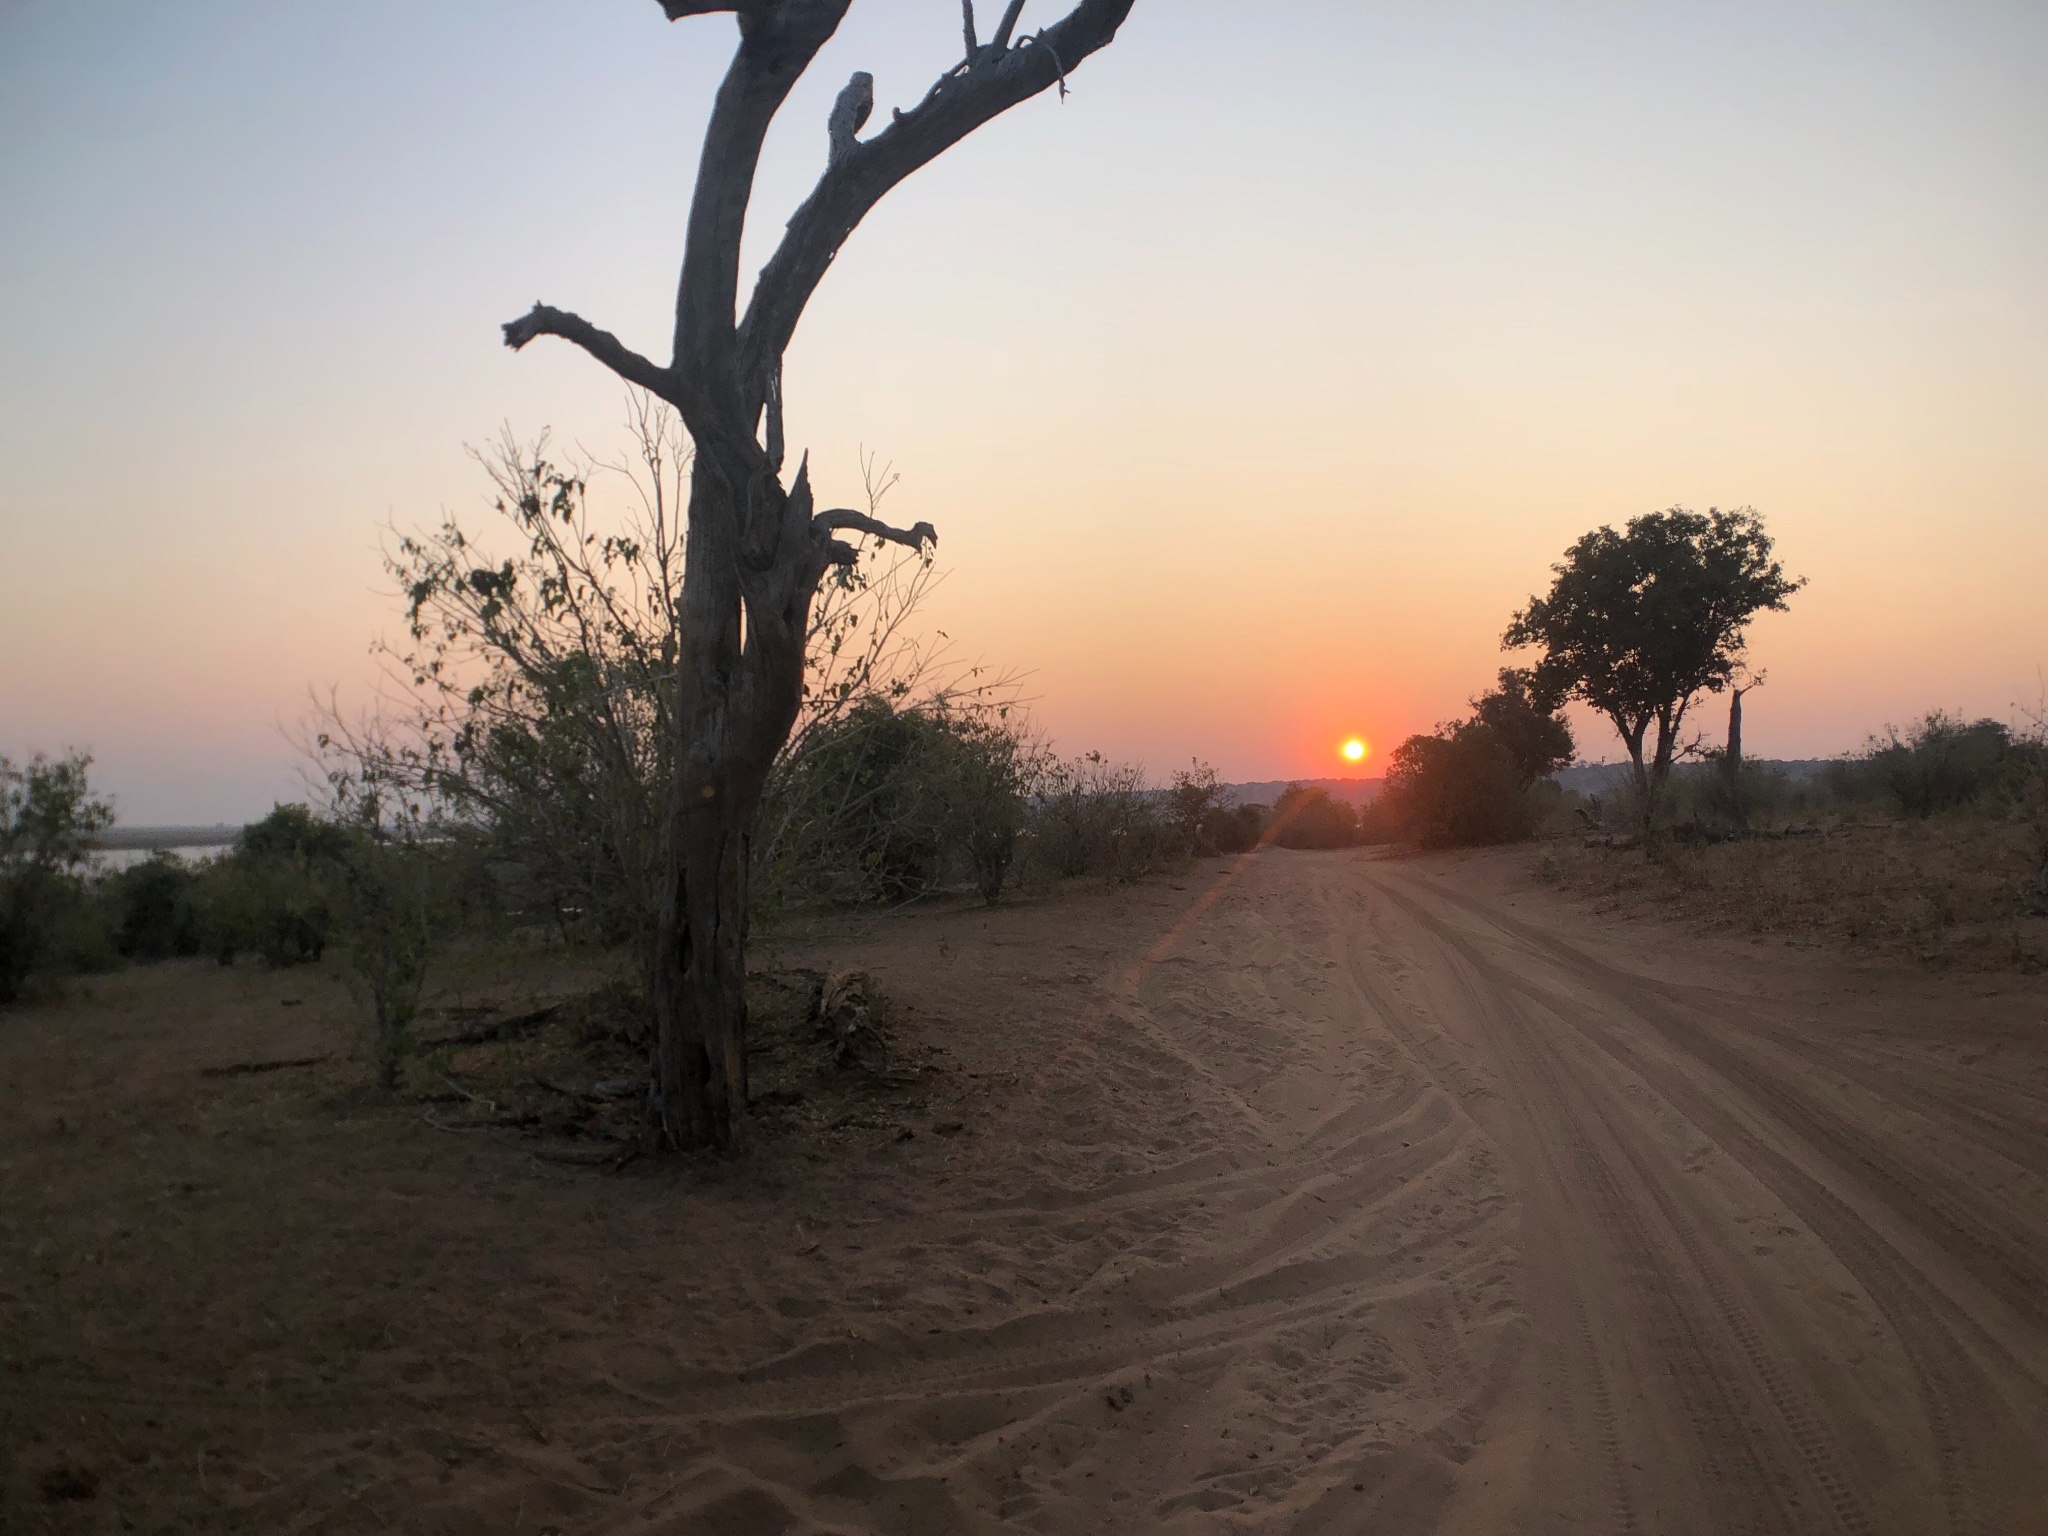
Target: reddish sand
x=1341 y=1195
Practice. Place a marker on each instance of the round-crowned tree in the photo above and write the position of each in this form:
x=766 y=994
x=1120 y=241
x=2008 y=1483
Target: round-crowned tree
x=1639 y=623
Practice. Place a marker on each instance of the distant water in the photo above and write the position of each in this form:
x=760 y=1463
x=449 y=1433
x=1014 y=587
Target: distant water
x=124 y=847
x=108 y=860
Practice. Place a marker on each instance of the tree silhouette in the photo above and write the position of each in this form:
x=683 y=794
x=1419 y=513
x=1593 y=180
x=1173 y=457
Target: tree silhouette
x=1638 y=624
x=756 y=549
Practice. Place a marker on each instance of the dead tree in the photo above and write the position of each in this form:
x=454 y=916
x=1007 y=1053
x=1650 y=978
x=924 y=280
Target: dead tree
x=757 y=549
x=1731 y=756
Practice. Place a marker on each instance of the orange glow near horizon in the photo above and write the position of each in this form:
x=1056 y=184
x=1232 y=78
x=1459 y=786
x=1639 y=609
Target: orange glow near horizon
x=1355 y=750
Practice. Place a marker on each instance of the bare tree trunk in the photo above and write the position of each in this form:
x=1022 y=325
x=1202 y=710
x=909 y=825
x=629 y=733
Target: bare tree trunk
x=1641 y=775
x=741 y=686
x=1731 y=760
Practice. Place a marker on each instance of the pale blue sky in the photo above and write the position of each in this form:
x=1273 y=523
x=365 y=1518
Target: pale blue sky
x=1250 y=388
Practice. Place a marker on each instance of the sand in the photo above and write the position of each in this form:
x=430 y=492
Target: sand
x=1324 y=1193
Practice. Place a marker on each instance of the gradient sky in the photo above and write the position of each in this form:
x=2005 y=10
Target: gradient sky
x=1251 y=388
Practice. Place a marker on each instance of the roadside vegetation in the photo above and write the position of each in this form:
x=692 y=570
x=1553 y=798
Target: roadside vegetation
x=512 y=784
x=1931 y=844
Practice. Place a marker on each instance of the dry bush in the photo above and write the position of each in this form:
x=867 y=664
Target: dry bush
x=1955 y=889
x=1090 y=816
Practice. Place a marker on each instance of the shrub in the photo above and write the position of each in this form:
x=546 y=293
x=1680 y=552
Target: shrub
x=1307 y=816
x=1207 y=826
x=1457 y=789
x=984 y=769
x=396 y=897
x=1942 y=763
x=273 y=894
x=1090 y=816
x=856 y=814
x=888 y=803
x=152 y=909
x=1234 y=830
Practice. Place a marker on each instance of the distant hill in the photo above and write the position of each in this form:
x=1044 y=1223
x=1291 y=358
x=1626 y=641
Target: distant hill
x=1580 y=779
x=1266 y=791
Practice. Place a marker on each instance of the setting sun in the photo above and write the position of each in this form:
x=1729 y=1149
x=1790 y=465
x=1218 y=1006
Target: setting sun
x=1354 y=750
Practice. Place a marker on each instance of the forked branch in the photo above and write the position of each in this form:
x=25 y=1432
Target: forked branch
x=1009 y=25
x=859 y=173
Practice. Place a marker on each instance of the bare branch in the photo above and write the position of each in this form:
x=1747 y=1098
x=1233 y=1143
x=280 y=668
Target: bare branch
x=629 y=365
x=858 y=176
x=915 y=537
x=1009 y=25
x=777 y=44
x=849 y=113
x=676 y=10
x=967 y=29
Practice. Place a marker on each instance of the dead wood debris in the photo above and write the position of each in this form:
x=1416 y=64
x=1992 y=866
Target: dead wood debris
x=251 y=1068
x=845 y=1015
x=502 y=1029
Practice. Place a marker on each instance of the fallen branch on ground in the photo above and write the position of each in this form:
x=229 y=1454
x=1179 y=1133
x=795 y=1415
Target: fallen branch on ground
x=251 y=1068
x=519 y=1023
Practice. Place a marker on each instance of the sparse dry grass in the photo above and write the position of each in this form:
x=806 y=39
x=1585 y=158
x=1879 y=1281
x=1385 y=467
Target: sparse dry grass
x=1952 y=890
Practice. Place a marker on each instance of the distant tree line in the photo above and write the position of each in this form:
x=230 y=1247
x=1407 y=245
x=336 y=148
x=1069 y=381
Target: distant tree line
x=1638 y=624
x=373 y=880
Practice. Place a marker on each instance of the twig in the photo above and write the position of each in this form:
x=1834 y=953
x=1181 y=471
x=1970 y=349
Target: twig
x=251 y=1068
x=474 y=1098
x=1007 y=26
x=428 y=1116
x=1038 y=39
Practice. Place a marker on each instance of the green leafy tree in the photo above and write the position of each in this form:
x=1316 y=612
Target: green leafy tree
x=1525 y=720
x=1639 y=623
x=49 y=816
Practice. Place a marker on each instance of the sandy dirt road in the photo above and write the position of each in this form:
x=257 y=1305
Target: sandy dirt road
x=1340 y=1194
